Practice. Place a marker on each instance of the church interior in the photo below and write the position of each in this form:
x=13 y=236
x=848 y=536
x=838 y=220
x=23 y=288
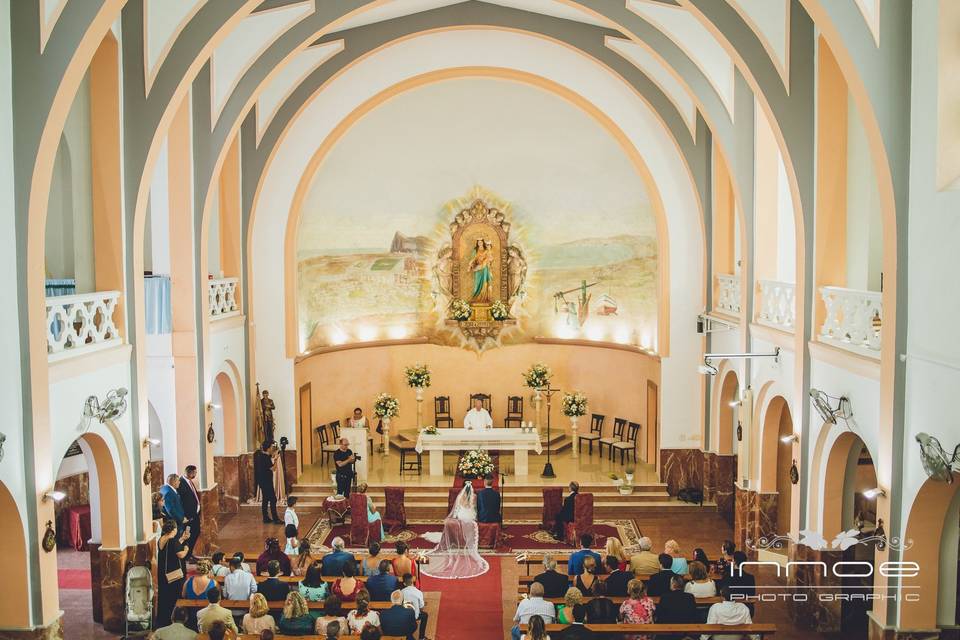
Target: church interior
x=465 y=289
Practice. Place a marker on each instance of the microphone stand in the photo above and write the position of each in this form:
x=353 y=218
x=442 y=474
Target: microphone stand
x=548 y=468
x=502 y=487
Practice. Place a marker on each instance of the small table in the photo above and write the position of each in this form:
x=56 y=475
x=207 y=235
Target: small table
x=75 y=526
x=337 y=510
x=488 y=439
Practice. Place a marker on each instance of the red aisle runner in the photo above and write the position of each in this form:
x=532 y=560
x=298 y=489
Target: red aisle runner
x=469 y=609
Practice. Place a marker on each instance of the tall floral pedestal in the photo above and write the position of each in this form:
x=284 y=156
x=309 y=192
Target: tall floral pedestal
x=419 y=391
x=573 y=436
x=386 y=437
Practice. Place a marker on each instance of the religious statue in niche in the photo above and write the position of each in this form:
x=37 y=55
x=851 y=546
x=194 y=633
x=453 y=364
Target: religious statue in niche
x=480 y=276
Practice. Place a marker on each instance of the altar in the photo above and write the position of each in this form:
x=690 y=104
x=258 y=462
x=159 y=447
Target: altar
x=489 y=439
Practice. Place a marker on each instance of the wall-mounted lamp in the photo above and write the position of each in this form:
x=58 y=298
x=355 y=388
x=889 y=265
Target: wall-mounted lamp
x=870 y=494
x=708 y=369
x=54 y=495
x=150 y=442
x=790 y=438
x=736 y=403
x=821 y=402
x=113 y=406
x=212 y=405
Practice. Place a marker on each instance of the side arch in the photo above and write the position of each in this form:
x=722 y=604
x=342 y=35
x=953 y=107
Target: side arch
x=15 y=604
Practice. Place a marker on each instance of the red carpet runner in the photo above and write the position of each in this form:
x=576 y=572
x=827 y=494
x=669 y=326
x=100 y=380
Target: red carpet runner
x=469 y=609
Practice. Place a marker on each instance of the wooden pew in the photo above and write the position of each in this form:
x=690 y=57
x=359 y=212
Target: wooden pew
x=274 y=605
x=562 y=559
x=248 y=636
x=695 y=630
x=704 y=602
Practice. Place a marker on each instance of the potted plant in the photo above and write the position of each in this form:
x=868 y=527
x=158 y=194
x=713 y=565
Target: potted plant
x=617 y=480
x=460 y=310
x=629 y=473
x=498 y=311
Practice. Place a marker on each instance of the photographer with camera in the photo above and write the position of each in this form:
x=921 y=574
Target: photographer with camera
x=344 y=459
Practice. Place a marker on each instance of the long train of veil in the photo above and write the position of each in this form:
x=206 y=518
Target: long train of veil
x=456 y=555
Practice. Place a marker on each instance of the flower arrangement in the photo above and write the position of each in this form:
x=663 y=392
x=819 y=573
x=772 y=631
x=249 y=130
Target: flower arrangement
x=431 y=430
x=498 y=311
x=418 y=376
x=386 y=406
x=460 y=310
x=574 y=404
x=476 y=463
x=538 y=376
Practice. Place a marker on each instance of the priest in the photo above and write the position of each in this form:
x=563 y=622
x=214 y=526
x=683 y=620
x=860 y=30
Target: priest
x=477 y=417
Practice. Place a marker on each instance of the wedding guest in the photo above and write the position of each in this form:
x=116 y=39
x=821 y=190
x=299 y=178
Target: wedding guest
x=243 y=564
x=371 y=633
x=618 y=578
x=534 y=605
x=679 y=565
x=190 y=501
x=213 y=612
x=171 y=551
x=614 y=548
x=566 y=512
x=347 y=586
x=575 y=563
x=554 y=583
x=571 y=599
x=577 y=630
x=272 y=551
x=370 y=565
x=372 y=514
x=398 y=620
x=700 y=586
x=218 y=630
x=659 y=583
x=382 y=584
x=701 y=556
x=295 y=620
x=220 y=568
x=177 y=630
x=601 y=609
x=293 y=544
x=334 y=561
x=290 y=515
x=403 y=563
x=263 y=477
x=727 y=613
x=331 y=613
x=588 y=578
x=273 y=589
x=739 y=582
x=313 y=588
x=259 y=617
x=172 y=506
x=677 y=606
x=637 y=608
x=536 y=630
x=726 y=558
x=645 y=562
x=196 y=586
x=305 y=559
x=362 y=617
x=332 y=630
x=239 y=585
x=414 y=597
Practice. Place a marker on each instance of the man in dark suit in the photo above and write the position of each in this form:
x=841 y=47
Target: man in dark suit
x=577 y=630
x=676 y=606
x=555 y=584
x=566 y=512
x=398 y=620
x=488 y=502
x=332 y=563
x=617 y=580
x=272 y=588
x=739 y=582
x=659 y=583
x=263 y=476
x=383 y=583
x=190 y=500
x=172 y=507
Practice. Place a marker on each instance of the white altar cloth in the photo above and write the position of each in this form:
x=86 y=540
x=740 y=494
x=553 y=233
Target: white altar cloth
x=489 y=439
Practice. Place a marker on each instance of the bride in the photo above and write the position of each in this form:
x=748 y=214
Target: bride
x=455 y=555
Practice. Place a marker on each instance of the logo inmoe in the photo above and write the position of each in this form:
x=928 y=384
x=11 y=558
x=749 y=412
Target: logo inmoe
x=840 y=569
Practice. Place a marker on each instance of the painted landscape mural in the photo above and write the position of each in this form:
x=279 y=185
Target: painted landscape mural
x=565 y=217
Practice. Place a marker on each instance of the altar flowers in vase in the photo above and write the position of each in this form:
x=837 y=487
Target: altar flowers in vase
x=386 y=406
x=538 y=376
x=477 y=464
x=574 y=404
x=460 y=310
x=418 y=376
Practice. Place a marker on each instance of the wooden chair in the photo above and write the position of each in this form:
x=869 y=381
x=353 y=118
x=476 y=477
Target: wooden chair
x=514 y=411
x=582 y=519
x=485 y=401
x=619 y=424
x=326 y=447
x=409 y=449
x=395 y=516
x=335 y=430
x=362 y=531
x=552 y=503
x=595 y=433
x=629 y=445
x=441 y=411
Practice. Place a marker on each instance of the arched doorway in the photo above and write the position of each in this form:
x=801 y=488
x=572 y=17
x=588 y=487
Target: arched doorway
x=14 y=606
x=727 y=413
x=777 y=457
x=224 y=410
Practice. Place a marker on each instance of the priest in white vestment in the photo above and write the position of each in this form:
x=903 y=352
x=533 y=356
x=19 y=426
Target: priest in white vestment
x=478 y=417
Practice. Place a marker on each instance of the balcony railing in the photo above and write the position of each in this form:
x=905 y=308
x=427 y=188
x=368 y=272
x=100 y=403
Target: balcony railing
x=777 y=304
x=853 y=320
x=222 y=295
x=81 y=323
x=728 y=294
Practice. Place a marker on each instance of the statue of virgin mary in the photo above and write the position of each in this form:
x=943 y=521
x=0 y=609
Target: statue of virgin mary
x=482 y=276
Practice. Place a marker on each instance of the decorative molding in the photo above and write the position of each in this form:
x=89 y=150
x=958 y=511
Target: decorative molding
x=358 y=345
x=845 y=359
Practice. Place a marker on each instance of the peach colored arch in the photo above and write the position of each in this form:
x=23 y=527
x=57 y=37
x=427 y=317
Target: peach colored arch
x=108 y=488
x=772 y=401
x=227 y=379
x=296 y=209
x=15 y=604
x=726 y=389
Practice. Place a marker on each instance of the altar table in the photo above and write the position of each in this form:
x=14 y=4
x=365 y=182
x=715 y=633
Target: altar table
x=489 y=439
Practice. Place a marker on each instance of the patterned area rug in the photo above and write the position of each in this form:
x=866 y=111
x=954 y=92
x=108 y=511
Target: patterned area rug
x=519 y=536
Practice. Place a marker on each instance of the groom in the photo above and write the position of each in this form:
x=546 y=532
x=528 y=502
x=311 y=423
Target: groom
x=488 y=502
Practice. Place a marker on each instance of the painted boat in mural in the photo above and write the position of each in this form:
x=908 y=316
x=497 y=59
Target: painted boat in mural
x=606 y=305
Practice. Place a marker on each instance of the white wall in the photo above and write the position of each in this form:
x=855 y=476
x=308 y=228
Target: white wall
x=213 y=234
x=786 y=227
x=227 y=355
x=864 y=231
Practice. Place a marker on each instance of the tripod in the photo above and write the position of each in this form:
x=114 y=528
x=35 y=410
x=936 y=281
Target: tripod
x=548 y=468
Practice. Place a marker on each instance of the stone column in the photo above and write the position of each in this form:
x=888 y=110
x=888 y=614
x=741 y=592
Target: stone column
x=95 y=580
x=226 y=473
x=112 y=589
x=53 y=631
x=814 y=615
x=209 y=524
x=725 y=472
x=248 y=488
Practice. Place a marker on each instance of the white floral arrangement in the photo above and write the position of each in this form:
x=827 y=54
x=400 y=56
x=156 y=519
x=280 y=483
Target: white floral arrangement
x=431 y=430
x=538 y=376
x=418 y=376
x=460 y=310
x=498 y=311
x=386 y=406
x=574 y=404
x=476 y=463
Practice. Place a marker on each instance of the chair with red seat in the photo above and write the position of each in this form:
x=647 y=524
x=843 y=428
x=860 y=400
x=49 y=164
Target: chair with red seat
x=395 y=518
x=362 y=532
x=582 y=519
x=552 y=503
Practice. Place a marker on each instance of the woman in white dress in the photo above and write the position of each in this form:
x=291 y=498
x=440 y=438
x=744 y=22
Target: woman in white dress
x=456 y=555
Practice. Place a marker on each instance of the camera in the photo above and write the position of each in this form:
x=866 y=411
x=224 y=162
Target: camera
x=357 y=457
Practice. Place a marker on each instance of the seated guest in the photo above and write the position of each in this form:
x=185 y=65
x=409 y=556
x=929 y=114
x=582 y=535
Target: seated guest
x=575 y=563
x=371 y=633
x=272 y=551
x=305 y=558
x=295 y=620
x=588 y=579
x=383 y=584
x=566 y=514
x=637 y=608
x=398 y=620
x=259 y=617
x=266 y=634
x=534 y=605
x=312 y=587
x=488 y=502
x=577 y=630
x=726 y=558
x=177 y=630
x=739 y=582
x=679 y=565
x=677 y=606
x=213 y=612
x=727 y=612
x=293 y=544
x=659 y=582
x=536 y=630
x=332 y=630
x=370 y=566
x=290 y=515
x=331 y=613
x=218 y=631
x=403 y=563
x=195 y=587
x=572 y=598
x=243 y=564
x=618 y=578
x=273 y=589
x=362 y=617
x=645 y=562
x=334 y=561
x=414 y=597
x=614 y=548
x=239 y=585
x=220 y=568
x=701 y=556
x=700 y=585
x=372 y=514
x=554 y=583
x=347 y=587
x=601 y=610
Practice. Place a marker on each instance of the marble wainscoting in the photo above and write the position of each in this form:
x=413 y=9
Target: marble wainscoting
x=53 y=631
x=226 y=473
x=755 y=517
x=96 y=582
x=814 y=614
x=156 y=475
x=876 y=632
x=248 y=488
x=719 y=473
x=108 y=570
x=209 y=523
x=290 y=468
x=681 y=469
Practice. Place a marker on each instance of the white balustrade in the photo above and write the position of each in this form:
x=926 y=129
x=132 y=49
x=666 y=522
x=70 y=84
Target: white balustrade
x=81 y=323
x=777 y=304
x=223 y=297
x=853 y=319
x=728 y=294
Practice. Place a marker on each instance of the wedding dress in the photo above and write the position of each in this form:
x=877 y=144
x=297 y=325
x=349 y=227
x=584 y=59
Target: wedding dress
x=456 y=555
